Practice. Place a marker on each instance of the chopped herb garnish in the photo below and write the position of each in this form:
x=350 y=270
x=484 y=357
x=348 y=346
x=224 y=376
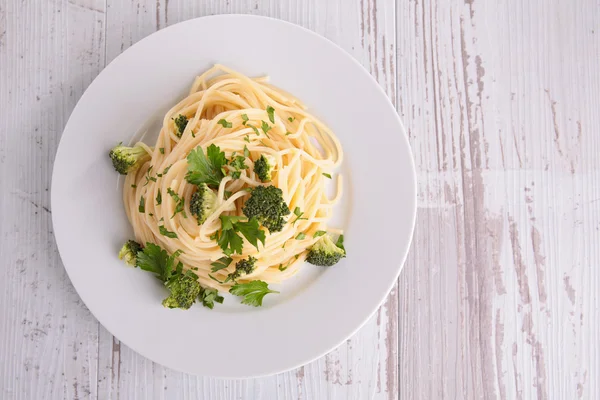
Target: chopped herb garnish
x=221 y=263
x=206 y=168
x=148 y=176
x=291 y=119
x=326 y=175
x=282 y=268
x=224 y=123
x=229 y=240
x=340 y=243
x=319 y=233
x=253 y=128
x=163 y=231
x=134 y=186
x=271 y=113
x=151 y=215
x=252 y=292
x=162 y=150
x=297 y=211
x=159 y=198
x=300 y=236
x=153 y=179
x=214 y=279
x=246 y=151
x=247 y=139
x=265 y=128
x=244 y=119
x=288 y=133
x=227 y=194
x=236 y=174
x=179 y=203
x=208 y=296
x=142 y=206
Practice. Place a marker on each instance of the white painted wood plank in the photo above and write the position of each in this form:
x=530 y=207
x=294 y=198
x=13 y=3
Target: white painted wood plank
x=499 y=297
x=49 y=53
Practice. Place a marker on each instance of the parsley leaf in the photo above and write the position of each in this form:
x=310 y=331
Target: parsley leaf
x=254 y=129
x=247 y=139
x=153 y=258
x=162 y=150
x=253 y=292
x=159 y=198
x=327 y=175
x=229 y=240
x=238 y=162
x=244 y=119
x=246 y=151
x=251 y=231
x=319 y=233
x=221 y=263
x=265 y=128
x=179 y=203
x=300 y=236
x=208 y=296
x=291 y=119
x=142 y=206
x=165 y=232
x=224 y=123
x=205 y=169
x=271 y=113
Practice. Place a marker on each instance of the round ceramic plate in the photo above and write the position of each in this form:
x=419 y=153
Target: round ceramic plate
x=316 y=310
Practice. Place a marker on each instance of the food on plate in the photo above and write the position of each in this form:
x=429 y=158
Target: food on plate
x=233 y=196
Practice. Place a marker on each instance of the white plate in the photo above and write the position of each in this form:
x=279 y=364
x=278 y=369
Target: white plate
x=323 y=306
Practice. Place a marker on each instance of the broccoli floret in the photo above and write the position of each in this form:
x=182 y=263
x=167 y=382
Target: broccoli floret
x=129 y=252
x=263 y=167
x=325 y=253
x=204 y=203
x=266 y=204
x=128 y=159
x=180 y=122
x=184 y=288
x=242 y=267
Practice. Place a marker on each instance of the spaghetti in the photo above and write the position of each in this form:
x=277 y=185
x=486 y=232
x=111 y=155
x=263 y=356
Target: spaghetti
x=305 y=152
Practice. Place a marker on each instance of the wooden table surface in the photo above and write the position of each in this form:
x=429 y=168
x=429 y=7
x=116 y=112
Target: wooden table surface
x=499 y=295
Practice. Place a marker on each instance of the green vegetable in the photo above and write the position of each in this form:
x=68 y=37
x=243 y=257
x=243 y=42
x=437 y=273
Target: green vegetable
x=265 y=128
x=263 y=167
x=142 y=206
x=224 y=123
x=128 y=159
x=325 y=253
x=326 y=175
x=271 y=113
x=180 y=122
x=291 y=119
x=301 y=236
x=266 y=204
x=206 y=169
x=184 y=288
x=244 y=119
x=319 y=233
x=252 y=292
x=179 y=203
x=229 y=240
x=242 y=267
x=221 y=263
x=159 y=198
x=153 y=258
x=254 y=129
x=208 y=296
x=128 y=252
x=204 y=203
x=165 y=232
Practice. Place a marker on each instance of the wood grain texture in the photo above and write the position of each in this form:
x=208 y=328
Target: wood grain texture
x=498 y=298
